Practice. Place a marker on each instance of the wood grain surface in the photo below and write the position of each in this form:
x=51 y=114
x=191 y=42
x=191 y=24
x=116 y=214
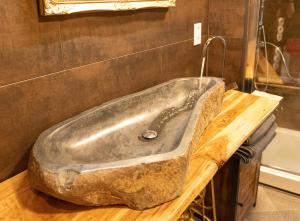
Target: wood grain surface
x=241 y=115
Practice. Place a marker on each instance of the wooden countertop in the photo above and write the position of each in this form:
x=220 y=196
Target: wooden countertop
x=241 y=115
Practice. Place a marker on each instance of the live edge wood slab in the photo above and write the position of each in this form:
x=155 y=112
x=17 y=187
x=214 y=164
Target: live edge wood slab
x=241 y=115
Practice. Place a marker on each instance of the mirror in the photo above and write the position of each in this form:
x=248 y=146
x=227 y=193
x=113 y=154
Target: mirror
x=60 y=7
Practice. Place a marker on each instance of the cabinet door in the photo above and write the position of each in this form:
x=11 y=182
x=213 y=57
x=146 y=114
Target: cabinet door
x=247 y=189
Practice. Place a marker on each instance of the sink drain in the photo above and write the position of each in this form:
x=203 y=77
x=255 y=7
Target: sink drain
x=149 y=134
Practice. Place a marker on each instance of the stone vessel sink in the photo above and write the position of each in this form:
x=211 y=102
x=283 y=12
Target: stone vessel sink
x=101 y=156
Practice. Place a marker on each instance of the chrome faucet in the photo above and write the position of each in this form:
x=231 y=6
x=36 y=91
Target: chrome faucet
x=204 y=55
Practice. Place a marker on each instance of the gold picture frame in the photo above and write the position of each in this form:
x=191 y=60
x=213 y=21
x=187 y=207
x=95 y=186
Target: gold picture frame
x=61 y=7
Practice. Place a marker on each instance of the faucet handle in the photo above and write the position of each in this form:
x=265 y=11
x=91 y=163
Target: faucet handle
x=231 y=86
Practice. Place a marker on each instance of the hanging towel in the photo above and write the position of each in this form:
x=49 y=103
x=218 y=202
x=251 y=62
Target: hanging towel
x=261 y=131
x=246 y=153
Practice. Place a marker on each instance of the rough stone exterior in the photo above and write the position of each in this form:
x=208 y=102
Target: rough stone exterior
x=140 y=186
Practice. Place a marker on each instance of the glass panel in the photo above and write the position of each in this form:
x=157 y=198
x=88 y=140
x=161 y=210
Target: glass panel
x=277 y=71
x=277 y=68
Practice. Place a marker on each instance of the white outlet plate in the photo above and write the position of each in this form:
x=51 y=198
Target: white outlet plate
x=197 y=33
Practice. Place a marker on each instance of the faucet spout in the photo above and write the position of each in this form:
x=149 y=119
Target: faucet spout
x=204 y=55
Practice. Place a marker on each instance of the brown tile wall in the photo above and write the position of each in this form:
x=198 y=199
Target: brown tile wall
x=54 y=68
x=227 y=19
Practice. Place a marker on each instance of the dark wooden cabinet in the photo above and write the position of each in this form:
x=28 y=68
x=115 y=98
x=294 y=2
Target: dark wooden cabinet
x=236 y=187
x=247 y=187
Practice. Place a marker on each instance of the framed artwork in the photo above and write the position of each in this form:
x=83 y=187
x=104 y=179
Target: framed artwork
x=61 y=7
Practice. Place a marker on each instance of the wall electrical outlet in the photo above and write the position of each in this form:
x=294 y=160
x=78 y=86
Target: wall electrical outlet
x=197 y=33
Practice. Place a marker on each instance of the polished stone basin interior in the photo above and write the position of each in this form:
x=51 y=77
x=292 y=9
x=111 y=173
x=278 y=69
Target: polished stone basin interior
x=102 y=157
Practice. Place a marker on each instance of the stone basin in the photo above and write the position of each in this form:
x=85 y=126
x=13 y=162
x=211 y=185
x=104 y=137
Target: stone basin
x=101 y=156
